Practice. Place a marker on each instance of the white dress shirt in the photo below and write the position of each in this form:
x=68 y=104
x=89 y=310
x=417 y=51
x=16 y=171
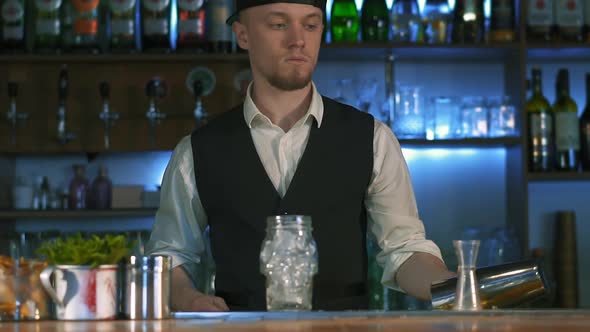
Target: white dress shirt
x=391 y=206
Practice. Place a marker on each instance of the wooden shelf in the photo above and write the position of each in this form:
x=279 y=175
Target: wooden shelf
x=55 y=214
x=417 y=51
x=558 y=52
x=122 y=58
x=466 y=142
x=559 y=176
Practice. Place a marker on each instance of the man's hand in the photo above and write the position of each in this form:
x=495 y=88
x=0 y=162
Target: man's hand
x=416 y=275
x=184 y=296
x=204 y=302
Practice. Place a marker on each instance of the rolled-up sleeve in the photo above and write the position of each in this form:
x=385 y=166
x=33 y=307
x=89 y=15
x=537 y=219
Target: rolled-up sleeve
x=391 y=207
x=180 y=219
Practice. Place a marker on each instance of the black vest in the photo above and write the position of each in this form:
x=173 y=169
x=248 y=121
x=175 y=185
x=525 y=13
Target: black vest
x=329 y=185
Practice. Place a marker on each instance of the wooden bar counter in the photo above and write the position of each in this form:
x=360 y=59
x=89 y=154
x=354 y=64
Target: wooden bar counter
x=410 y=321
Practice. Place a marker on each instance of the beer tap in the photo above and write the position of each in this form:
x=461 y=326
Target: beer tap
x=106 y=115
x=155 y=90
x=63 y=136
x=199 y=113
x=14 y=117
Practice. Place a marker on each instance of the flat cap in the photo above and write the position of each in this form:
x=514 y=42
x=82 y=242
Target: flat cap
x=243 y=4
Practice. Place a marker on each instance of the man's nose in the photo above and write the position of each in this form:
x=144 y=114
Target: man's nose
x=296 y=36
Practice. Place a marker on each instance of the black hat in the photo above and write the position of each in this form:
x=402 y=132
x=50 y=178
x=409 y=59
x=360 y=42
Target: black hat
x=243 y=4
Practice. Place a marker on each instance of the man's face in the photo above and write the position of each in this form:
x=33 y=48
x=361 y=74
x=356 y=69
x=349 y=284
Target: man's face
x=283 y=40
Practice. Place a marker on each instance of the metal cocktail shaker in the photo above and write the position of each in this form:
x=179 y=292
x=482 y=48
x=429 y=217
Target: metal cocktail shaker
x=500 y=286
x=147 y=287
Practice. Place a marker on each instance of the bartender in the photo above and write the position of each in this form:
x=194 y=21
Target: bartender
x=289 y=150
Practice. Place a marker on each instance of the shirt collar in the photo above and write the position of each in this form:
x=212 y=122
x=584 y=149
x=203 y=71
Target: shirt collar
x=316 y=108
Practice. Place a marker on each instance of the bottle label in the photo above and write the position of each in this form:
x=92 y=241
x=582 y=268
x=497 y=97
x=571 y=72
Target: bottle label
x=191 y=26
x=568 y=13
x=154 y=26
x=567 y=134
x=540 y=125
x=17 y=33
x=85 y=5
x=121 y=6
x=190 y=4
x=219 y=12
x=122 y=26
x=48 y=27
x=12 y=11
x=540 y=13
x=48 y=5
x=156 y=5
x=84 y=26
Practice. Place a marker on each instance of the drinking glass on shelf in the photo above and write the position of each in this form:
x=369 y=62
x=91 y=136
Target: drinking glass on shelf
x=408 y=121
x=474 y=117
x=502 y=115
x=443 y=118
x=342 y=91
x=366 y=90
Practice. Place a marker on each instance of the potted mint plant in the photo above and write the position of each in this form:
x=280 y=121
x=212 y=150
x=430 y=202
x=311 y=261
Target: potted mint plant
x=85 y=270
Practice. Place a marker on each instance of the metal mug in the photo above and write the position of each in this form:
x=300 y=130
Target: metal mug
x=147 y=287
x=500 y=286
x=82 y=292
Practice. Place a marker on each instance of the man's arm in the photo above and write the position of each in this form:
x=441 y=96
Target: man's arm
x=185 y=297
x=416 y=275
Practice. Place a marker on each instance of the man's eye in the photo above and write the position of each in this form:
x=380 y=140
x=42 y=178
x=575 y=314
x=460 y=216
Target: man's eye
x=311 y=27
x=278 y=25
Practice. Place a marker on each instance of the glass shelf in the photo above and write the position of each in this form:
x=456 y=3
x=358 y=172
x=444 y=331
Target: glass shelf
x=60 y=214
x=466 y=142
x=558 y=176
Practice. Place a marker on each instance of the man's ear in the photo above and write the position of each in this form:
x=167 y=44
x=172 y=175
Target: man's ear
x=241 y=34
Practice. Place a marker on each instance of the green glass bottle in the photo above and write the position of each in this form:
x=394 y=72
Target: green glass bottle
x=123 y=23
x=375 y=21
x=344 y=22
x=377 y=299
x=12 y=29
x=156 y=25
x=567 y=130
x=540 y=128
x=47 y=25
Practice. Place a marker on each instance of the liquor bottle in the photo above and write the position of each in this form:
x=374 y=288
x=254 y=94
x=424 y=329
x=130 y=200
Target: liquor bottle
x=47 y=25
x=219 y=35
x=540 y=128
x=468 y=22
x=12 y=18
x=375 y=21
x=156 y=25
x=67 y=13
x=78 y=189
x=406 y=22
x=344 y=22
x=86 y=25
x=502 y=27
x=585 y=130
x=436 y=18
x=540 y=21
x=569 y=18
x=191 y=25
x=101 y=190
x=123 y=25
x=587 y=23
x=567 y=130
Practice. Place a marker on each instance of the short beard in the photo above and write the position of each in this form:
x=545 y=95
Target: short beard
x=289 y=83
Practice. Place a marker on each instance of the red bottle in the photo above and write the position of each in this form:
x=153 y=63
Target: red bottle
x=101 y=191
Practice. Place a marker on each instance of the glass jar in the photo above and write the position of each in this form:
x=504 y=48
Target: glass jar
x=409 y=121
x=289 y=260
